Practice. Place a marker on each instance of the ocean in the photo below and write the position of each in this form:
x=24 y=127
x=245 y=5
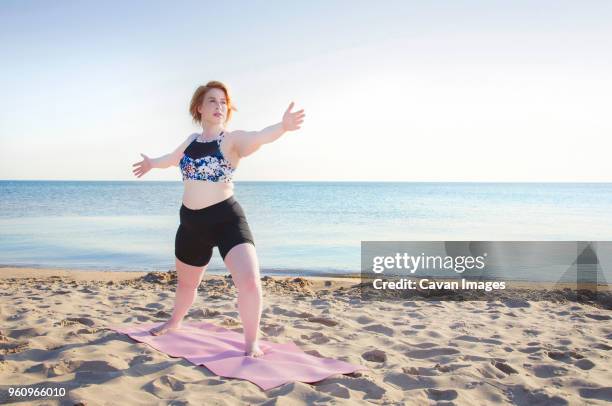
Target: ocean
x=300 y=228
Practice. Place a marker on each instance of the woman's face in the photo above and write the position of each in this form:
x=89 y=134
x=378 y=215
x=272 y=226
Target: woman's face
x=214 y=107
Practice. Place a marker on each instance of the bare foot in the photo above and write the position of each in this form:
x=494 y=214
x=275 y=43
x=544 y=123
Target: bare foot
x=164 y=328
x=253 y=350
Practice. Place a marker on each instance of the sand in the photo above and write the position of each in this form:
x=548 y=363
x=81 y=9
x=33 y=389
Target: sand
x=53 y=333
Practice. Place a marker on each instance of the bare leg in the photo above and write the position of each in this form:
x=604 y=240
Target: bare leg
x=189 y=278
x=242 y=263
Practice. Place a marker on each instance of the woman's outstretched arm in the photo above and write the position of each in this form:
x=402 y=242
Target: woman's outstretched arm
x=247 y=142
x=164 y=161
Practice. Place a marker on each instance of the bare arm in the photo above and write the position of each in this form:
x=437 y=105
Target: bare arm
x=164 y=161
x=247 y=142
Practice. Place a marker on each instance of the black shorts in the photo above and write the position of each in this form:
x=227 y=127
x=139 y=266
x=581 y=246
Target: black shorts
x=222 y=224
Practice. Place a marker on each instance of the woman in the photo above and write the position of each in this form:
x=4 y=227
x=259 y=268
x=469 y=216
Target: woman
x=210 y=215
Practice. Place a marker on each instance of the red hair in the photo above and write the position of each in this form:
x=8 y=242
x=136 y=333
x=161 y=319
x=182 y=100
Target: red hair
x=199 y=94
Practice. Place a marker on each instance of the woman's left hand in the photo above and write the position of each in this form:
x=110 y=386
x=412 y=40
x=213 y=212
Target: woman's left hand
x=292 y=121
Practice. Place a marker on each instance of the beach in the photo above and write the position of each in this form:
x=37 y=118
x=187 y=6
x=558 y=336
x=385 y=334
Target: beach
x=422 y=193
x=533 y=348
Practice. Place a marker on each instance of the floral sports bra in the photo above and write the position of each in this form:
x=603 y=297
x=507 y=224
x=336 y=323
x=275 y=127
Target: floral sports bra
x=205 y=161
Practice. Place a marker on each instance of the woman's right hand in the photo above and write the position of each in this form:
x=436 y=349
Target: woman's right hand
x=143 y=166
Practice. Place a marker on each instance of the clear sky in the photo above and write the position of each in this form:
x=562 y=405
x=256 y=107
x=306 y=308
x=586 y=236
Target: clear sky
x=393 y=90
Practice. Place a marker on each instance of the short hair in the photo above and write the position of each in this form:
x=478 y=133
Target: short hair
x=199 y=94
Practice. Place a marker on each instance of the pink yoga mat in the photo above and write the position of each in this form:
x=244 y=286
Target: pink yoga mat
x=222 y=351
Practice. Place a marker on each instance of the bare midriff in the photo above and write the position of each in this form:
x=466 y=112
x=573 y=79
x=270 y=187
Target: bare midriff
x=199 y=194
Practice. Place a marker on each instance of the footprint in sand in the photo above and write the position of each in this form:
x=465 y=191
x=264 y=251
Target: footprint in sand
x=422 y=371
x=532 y=332
x=564 y=356
x=468 y=338
x=458 y=325
x=138 y=317
x=431 y=353
x=515 y=303
x=96 y=371
x=323 y=320
x=26 y=333
x=364 y=320
x=210 y=382
x=434 y=334
x=143 y=309
x=425 y=345
x=87 y=331
x=379 y=328
x=597 y=393
x=451 y=367
x=314 y=353
x=320 y=302
x=369 y=388
x=273 y=329
x=438 y=395
x=562 y=313
x=409 y=382
x=140 y=359
x=317 y=338
x=48 y=369
x=165 y=385
x=530 y=350
x=375 y=356
x=549 y=371
x=473 y=339
x=335 y=390
x=520 y=395
x=290 y=313
x=154 y=305
x=491 y=341
x=584 y=364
